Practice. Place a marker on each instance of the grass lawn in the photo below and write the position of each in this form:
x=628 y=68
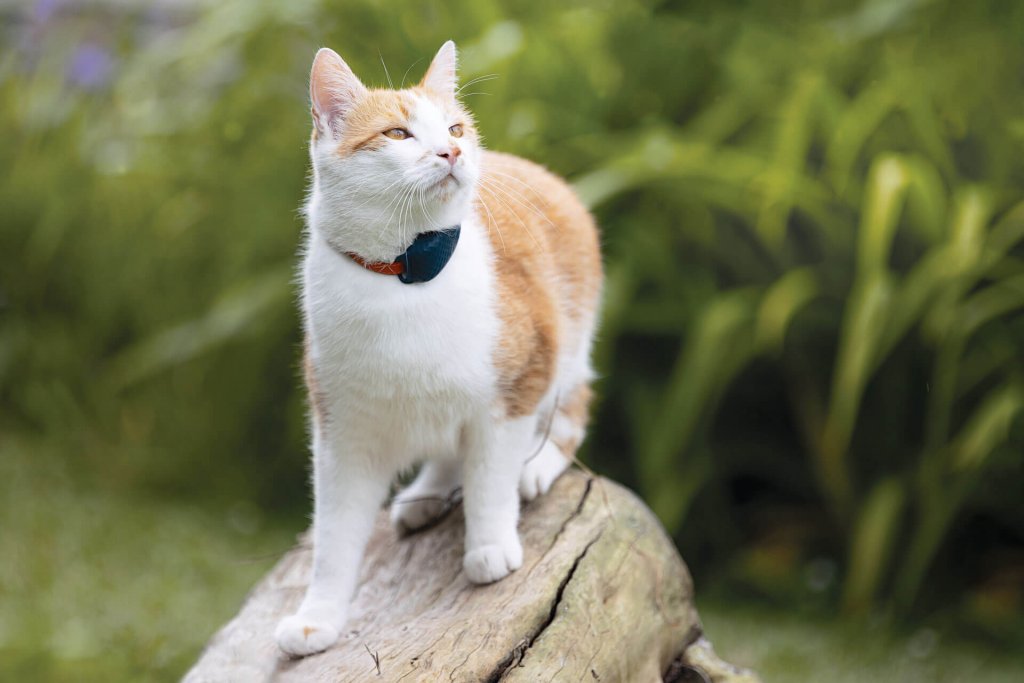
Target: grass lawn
x=100 y=584
x=784 y=647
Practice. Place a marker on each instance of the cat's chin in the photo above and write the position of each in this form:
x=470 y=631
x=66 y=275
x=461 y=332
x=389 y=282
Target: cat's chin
x=447 y=183
x=447 y=190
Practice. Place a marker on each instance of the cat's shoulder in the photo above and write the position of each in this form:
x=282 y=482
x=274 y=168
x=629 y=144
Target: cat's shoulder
x=533 y=205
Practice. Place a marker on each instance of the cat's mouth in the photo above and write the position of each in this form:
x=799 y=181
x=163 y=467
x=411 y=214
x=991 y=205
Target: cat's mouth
x=447 y=184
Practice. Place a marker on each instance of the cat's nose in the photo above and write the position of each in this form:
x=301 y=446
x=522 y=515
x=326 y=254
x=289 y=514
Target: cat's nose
x=451 y=154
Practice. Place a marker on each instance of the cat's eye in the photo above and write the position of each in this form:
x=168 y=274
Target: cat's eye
x=456 y=130
x=398 y=133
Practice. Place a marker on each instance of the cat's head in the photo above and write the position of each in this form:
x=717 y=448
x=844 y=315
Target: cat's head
x=389 y=163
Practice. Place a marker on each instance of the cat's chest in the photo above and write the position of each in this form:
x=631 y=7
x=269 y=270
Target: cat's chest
x=376 y=337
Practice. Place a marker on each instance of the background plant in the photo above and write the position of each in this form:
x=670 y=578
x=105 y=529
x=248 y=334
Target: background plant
x=811 y=347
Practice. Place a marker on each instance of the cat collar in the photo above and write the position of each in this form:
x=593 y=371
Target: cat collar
x=425 y=258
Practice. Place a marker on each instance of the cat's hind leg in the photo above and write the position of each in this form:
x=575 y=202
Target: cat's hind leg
x=541 y=470
x=429 y=497
x=567 y=429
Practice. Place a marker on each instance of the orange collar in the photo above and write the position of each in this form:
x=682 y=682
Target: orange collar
x=396 y=267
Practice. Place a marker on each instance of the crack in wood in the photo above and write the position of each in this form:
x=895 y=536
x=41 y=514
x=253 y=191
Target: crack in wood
x=576 y=513
x=518 y=653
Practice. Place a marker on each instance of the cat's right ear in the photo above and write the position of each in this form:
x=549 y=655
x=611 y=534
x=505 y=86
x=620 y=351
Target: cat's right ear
x=333 y=91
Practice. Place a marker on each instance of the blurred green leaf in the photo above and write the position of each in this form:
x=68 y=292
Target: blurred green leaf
x=872 y=543
x=856 y=123
x=864 y=321
x=998 y=299
x=716 y=349
x=886 y=192
x=781 y=302
x=988 y=427
x=796 y=124
x=235 y=314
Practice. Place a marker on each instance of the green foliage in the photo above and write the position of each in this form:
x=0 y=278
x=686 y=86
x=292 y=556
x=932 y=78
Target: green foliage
x=812 y=224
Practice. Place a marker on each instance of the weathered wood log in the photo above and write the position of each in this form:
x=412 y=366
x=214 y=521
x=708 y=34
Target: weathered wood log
x=602 y=596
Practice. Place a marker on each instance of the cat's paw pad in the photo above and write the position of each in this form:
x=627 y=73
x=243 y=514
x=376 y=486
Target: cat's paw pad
x=540 y=472
x=489 y=563
x=412 y=513
x=299 y=636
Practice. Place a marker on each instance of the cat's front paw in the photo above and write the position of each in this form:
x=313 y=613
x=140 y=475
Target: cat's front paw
x=300 y=635
x=489 y=563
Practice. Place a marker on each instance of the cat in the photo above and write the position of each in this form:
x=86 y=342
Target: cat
x=450 y=297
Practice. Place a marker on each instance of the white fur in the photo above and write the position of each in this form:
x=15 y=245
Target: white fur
x=406 y=372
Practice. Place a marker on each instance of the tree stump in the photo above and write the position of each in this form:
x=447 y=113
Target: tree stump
x=602 y=596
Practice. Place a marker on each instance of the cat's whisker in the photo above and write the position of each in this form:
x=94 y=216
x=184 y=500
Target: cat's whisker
x=403 y=214
x=529 y=187
x=434 y=224
x=369 y=179
x=492 y=221
x=478 y=79
x=407 y=72
x=397 y=203
x=376 y=194
x=372 y=195
x=393 y=202
x=524 y=202
x=390 y=84
x=516 y=197
x=493 y=190
x=410 y=212
x=494 y=169
x=406 y=214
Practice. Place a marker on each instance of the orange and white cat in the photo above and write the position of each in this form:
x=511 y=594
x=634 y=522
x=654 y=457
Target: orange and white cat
x=476 y=364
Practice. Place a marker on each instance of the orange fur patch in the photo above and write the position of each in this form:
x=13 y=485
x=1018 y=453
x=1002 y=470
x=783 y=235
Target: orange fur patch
x=374 y=113
x=548 y=273
x=380 y=110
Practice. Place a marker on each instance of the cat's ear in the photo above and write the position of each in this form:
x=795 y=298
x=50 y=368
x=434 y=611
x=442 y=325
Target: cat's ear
x=333 y=90
x=441 y=77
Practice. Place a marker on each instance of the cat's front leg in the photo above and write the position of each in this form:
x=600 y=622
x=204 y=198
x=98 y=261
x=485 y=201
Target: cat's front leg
x=348 y=490
x=492 y=461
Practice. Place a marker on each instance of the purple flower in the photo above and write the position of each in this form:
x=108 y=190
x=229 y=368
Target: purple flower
x=44 y=10
x=91 y=67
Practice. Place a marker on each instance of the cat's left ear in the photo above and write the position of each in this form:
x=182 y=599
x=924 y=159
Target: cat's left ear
x=333 y=90
x=441 y=77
